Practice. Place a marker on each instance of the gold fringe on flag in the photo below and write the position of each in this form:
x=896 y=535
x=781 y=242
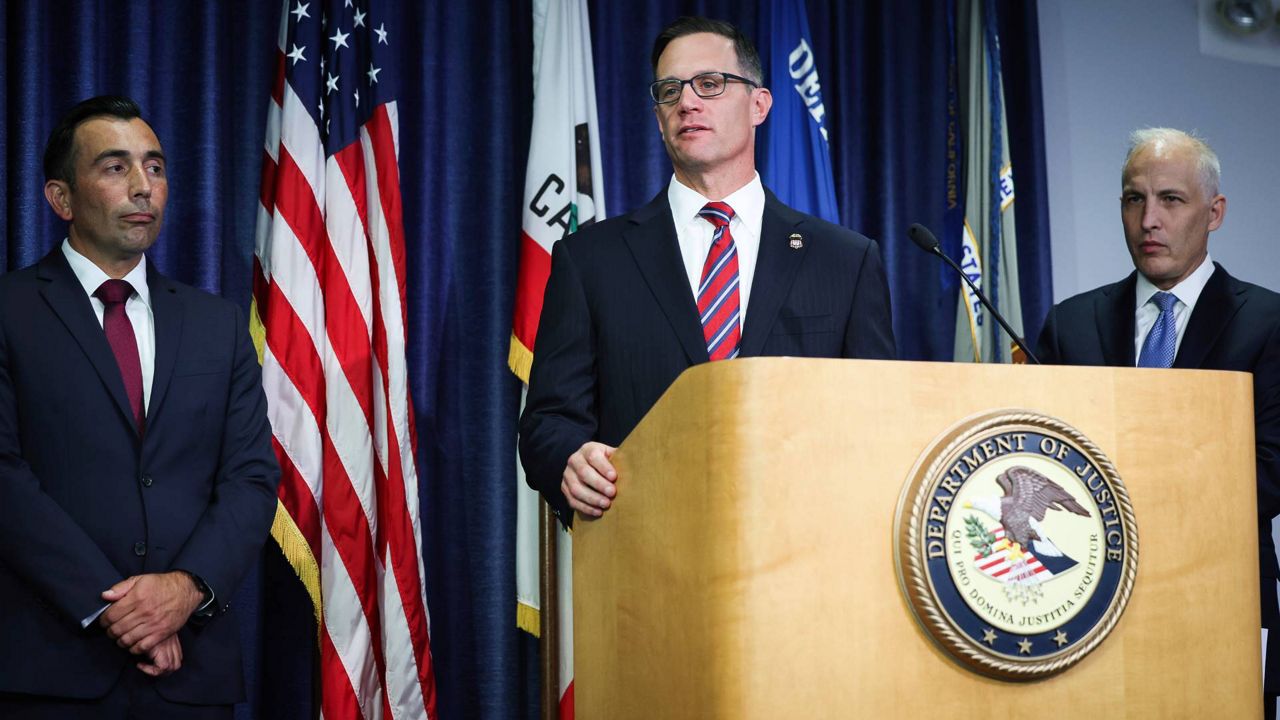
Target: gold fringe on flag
x=257 y=331
x=520 y=359
x=284 y=530
x=298 y=553
x=529 y=619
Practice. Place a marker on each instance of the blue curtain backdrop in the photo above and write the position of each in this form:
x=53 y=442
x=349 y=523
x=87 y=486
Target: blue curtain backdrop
x=202 y=72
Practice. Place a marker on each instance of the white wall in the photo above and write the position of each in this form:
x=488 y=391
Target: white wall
x=1110 y=66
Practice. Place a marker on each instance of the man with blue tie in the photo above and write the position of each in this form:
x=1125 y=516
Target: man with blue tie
x=1180 y=309
x=713 y=268
x=137 y=479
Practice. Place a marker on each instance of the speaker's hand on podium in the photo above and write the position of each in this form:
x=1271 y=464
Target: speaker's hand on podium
x=589 y=481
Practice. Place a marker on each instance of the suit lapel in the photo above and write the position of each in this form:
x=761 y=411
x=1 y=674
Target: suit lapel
x=1115 y=317
x=776 y=266
x=166 y=308
x=66 y=297
x=651 y=238
x=1217 y=305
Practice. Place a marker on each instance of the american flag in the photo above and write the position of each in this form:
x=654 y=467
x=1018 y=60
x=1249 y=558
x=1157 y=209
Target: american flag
x=330 y=292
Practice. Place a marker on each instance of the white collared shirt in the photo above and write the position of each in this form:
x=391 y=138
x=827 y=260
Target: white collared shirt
x=695 y=234
x=137 y=308
x=1188 y=292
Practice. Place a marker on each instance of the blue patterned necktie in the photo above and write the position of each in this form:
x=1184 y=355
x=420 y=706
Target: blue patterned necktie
x=1159 y=347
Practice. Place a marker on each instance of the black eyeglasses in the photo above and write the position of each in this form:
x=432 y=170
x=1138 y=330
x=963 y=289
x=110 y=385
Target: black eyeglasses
x=706 y=85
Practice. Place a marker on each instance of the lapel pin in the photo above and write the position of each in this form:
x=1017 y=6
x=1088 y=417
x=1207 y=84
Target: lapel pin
x=797 y=241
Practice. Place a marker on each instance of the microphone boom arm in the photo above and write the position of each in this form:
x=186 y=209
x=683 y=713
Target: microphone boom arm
x=921 y=236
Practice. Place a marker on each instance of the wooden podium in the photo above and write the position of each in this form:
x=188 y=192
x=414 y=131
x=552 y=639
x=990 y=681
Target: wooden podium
x=746 y=569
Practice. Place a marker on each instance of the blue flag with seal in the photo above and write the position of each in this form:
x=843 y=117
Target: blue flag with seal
x=797 y=161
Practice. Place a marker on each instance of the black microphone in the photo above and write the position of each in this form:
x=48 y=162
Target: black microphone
x=921 y=236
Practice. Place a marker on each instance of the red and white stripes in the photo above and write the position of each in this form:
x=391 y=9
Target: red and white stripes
x=330 y=292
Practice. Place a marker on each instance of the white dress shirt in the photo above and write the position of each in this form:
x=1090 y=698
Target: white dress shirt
x=695 y=234
x=137 y=308
x=1188 y=292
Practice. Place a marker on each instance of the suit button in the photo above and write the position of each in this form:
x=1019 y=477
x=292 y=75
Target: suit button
x=139 y=549
x=146 y=481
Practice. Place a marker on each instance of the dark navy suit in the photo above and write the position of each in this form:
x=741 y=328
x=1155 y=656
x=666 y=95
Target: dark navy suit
x=86 y=502
x=619 y=323
x=1235 y=326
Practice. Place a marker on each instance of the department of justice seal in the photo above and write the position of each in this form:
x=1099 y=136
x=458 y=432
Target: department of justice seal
x=1015 y=544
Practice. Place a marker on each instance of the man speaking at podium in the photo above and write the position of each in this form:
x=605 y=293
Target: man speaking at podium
x=1182 y=310
x=713 y=268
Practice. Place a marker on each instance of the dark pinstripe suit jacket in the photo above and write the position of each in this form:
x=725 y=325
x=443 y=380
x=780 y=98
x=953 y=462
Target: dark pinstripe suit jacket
x=619 y=323
x=1235 y=326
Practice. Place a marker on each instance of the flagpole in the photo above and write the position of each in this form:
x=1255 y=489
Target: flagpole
x=564 y=169
x=549 y=635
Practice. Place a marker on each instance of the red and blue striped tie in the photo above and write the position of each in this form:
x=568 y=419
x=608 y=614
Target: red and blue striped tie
x=718 y=304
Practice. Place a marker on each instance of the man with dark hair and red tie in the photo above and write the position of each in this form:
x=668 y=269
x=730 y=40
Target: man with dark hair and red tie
x=713 y=268
x=137 y=479
x=1180 y=309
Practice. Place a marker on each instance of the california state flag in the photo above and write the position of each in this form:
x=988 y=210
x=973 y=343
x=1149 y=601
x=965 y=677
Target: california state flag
x=562 y=192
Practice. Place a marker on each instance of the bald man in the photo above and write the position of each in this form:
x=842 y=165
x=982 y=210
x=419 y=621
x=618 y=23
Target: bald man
x=1180 y=309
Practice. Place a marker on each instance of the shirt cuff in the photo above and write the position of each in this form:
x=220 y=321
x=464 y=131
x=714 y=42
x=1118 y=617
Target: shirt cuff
x=90 y=620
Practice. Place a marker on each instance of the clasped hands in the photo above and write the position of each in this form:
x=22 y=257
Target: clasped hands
x=145 y=614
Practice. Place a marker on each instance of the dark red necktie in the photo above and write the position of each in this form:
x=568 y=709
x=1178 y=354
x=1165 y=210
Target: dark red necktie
x=115 y=322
